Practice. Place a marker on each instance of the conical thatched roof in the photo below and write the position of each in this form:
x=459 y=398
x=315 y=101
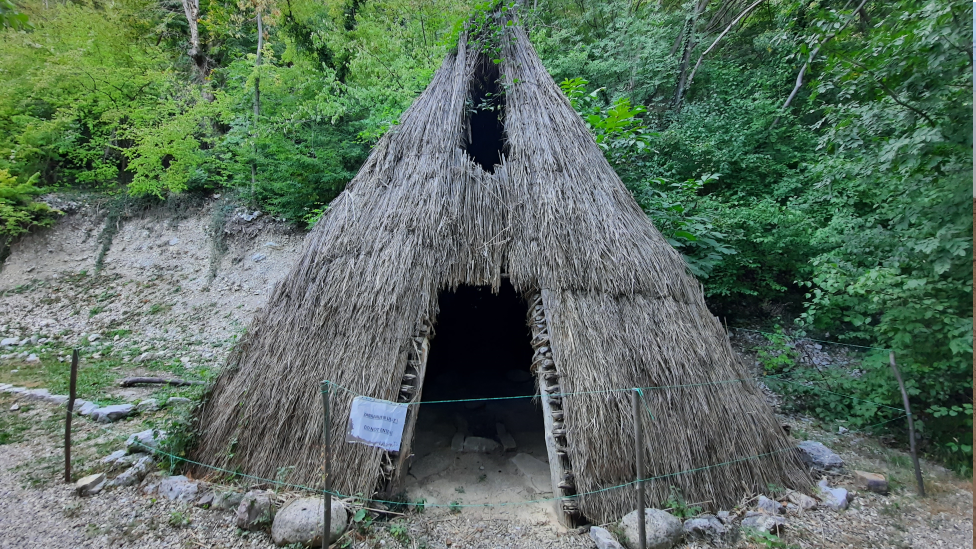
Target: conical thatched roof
x=421 y=217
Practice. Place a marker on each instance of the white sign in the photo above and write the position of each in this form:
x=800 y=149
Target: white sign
x=375 y=422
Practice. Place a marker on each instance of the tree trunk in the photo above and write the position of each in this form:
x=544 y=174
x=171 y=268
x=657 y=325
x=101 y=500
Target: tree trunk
x=691 y=41
x=192 y=10
x=257 y=104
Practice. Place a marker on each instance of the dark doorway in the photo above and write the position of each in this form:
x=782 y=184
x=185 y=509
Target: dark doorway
x=465 y=445
x=482 y=346
x=485 y=140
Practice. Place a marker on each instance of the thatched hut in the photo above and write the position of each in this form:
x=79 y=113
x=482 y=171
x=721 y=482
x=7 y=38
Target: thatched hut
x=492 y=181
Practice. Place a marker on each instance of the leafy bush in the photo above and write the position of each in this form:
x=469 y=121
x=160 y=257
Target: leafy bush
x=19 y=212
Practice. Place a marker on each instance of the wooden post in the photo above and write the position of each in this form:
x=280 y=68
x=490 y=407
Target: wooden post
x=639 y=453
x=327 y=480
x=72 y=386
x=911 y=423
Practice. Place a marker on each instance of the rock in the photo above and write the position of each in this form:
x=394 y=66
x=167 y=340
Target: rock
x=769 y=506
x=32 y=358
x=254 y=511
x=663 y=529
x=226 y=500
x=603 y=538
x=724 y=516
x=535 y=471
x=173 y=241
x=871 y=481
x=818 y=456
x=301 y=522
x=113 y=457
x=803 y=501
x=705 y=528
x=178 y=488
x=92 y=484
x=178 y=401
x=134 y=474
x=834 y=498
x=518 y=376
x=206 y=500
x=762 y=522
x=457 y=443
x=148 y=405
x=508 y=442
x=258 y=257
x=480 y=445
x=8 y=341
x=87 y=408
x=112 y=413
x=144 y=441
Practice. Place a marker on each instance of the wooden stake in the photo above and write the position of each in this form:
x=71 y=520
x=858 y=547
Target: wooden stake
x=72 y=386
x=911 y=423
x=327 y=481
x=639 y=454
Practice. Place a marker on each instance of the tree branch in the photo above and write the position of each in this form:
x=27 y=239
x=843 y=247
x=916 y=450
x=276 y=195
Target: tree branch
x=803 y=70
x=745 y=12
x=891 y=93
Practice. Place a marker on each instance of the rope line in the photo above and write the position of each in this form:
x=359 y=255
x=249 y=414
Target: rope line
x=810 y=339
x=833 y=393
x=459 y=505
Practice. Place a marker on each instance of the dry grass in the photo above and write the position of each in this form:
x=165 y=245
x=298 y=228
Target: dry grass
x=420 y=218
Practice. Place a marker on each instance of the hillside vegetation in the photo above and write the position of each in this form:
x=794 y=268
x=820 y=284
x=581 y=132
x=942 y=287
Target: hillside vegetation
x=810 y=160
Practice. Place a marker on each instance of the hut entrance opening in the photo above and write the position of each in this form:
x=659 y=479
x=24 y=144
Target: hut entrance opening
x=485 y=115
x=480 y=350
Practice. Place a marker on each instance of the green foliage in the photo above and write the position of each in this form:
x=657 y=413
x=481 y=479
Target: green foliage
x=677 y=505
x=779 y=356
x=19 y=213
x=11 y=17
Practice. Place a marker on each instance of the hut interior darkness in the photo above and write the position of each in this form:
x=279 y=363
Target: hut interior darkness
x=481 y=346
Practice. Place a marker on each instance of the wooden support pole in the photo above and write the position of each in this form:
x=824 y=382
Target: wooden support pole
x=72 y=386
x=639 y=454
x=911 y=423
x=327 y=465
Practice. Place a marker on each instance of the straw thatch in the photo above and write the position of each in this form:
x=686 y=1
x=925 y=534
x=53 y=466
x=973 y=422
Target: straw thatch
x=421 y=217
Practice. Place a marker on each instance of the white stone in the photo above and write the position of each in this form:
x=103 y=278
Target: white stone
x=8 y=341
x=802 y=501
x=762 y=522
x=92 y=484
x=769 y=506
x=228 y=499
x=603 y=538
x=536 y=472
x=148 y=405
x=112 y=413
x=818 y=456
x=508 y=442
x=138 y=471
x=32 y=358
x=834 y=498
x=301 y=522
x=254 y=511
x=176 y=401
x=706 y=528
x=145 y=441
x=662 y=528
x=178 y=488
x=480 y=445
x=113 y=457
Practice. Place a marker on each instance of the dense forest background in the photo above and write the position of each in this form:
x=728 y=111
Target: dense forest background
x=810 y=159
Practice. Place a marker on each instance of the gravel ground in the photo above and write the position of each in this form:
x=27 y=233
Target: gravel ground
x=38 y=510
